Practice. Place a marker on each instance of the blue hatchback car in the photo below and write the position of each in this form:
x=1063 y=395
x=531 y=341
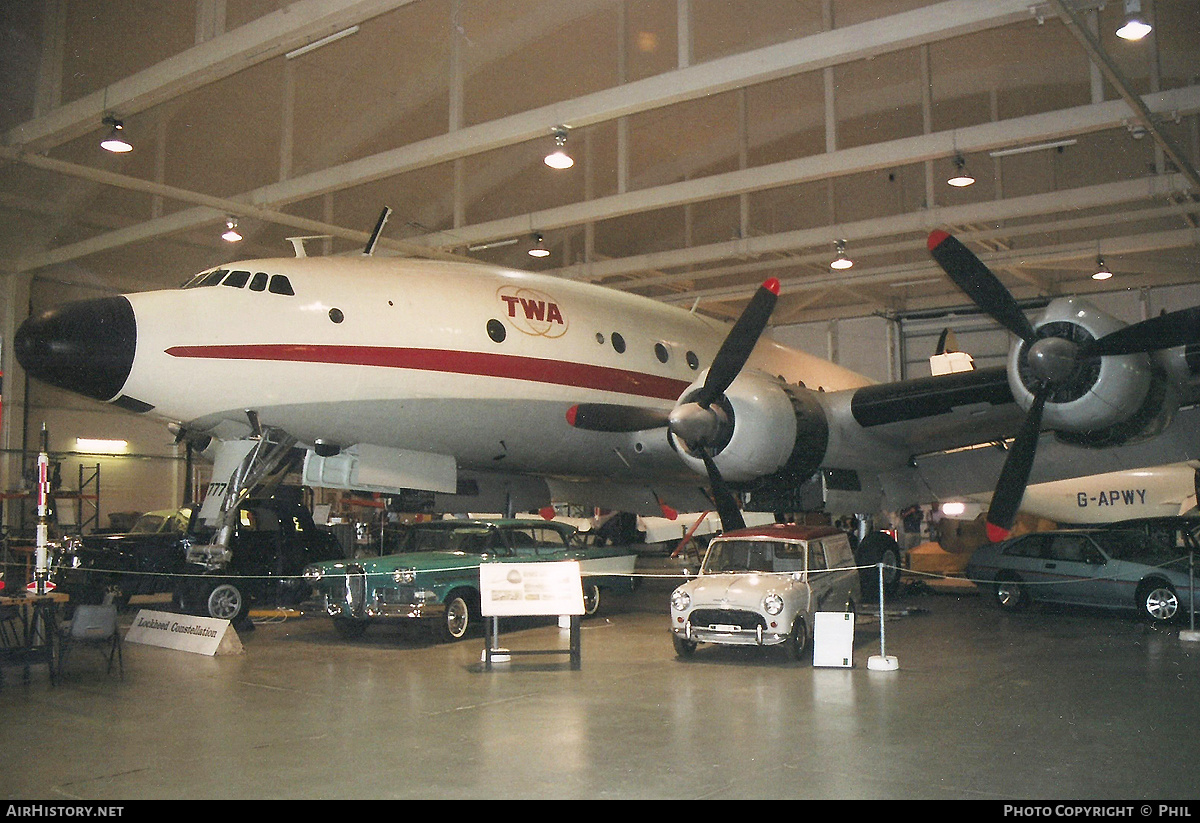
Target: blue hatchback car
x=1109 y=568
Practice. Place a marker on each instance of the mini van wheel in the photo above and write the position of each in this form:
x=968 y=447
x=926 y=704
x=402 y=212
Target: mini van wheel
x=683 y=647
x=797 y=641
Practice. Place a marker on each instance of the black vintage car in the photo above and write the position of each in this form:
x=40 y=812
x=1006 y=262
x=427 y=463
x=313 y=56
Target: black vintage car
x=273 y=541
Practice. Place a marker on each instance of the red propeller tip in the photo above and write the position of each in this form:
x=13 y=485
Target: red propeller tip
x=936 y=237
x=771 y=284
x=547 y=513
x=996 y=533
x=668 y=512
x=571 y=413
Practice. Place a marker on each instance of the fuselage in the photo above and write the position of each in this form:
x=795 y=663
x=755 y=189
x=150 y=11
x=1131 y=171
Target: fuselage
x=466 y=360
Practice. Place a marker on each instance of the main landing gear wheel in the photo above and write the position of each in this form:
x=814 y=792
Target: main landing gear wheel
x=225 y=601
x=876 y=548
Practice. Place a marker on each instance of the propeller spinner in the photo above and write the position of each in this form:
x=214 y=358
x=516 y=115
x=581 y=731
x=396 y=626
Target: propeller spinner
x=1055 y=361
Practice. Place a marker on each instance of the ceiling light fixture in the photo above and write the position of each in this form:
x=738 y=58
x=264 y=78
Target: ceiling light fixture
x=1056 y=144
x=231 y=234
x=1135 y=27
x=1102 y=271
x=841 y=261
x=539 y=249
x=960 y=178
x=115 y=141
x=99 y=446
x=559 y=159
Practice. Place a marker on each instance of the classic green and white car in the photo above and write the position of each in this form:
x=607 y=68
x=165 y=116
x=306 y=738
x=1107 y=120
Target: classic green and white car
x=435 y=575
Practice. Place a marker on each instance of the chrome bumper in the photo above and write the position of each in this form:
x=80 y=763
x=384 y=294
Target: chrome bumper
x=378 y=608
x=730 y=635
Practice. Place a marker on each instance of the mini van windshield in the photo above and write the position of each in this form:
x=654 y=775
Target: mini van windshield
x=739 y=556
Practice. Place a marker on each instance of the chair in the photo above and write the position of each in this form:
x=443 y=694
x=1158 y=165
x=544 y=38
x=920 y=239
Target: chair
x=93 y=625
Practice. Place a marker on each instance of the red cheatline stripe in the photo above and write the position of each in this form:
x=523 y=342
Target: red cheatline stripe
x=454 y=362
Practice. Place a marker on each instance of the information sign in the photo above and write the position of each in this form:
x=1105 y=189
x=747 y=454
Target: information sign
x=516 y=589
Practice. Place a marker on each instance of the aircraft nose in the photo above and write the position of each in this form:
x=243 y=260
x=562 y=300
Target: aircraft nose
x=86 y=347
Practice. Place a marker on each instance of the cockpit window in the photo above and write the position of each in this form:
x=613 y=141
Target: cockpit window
x=236 y=279
x=209 y=278
x=280 y=285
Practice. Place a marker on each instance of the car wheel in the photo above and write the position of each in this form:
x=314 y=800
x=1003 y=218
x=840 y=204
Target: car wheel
x=683 y=646
x=224 y=601
x=876 y=548
x=459 y=617
x=1158 y=601
x=1010 y=594
x=797 y=642
x=591 y=599
x=349 y=629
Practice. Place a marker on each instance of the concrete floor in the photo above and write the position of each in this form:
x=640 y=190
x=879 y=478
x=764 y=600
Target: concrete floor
x=1050 y=704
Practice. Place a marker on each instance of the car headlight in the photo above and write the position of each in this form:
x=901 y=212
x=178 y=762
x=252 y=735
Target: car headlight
x=680 y=600
x=773 y=603
x=312 y=574
x=404 y=575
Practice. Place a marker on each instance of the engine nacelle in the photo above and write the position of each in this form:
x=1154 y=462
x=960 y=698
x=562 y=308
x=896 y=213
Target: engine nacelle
x=767 y=427
x=1104 y=400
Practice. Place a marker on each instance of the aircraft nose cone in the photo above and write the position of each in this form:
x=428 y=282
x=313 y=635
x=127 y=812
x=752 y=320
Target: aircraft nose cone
x=86 y=347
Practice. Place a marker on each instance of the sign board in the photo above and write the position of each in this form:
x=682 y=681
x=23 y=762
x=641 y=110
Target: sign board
x=833 y=639
x=512 y=589
x=184 y=632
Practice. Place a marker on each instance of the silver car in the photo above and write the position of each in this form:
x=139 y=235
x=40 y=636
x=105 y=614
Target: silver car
x=763 y=587
x=1110 y=568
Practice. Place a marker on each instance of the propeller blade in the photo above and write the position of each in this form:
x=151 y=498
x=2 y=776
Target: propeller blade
x=980 y=284
x=735 y=351
x=611 y=417
x=1010 y=488
x=1177 y=328
x=726 y=504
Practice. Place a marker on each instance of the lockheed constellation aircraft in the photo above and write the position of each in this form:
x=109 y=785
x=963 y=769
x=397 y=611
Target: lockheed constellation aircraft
x=467 y=380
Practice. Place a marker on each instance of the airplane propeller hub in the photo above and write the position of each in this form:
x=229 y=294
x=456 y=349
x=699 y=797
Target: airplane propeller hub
x=1054 y=359
x=698 y=427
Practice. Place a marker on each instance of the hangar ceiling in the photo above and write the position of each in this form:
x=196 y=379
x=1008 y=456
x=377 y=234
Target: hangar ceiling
x=717 y=142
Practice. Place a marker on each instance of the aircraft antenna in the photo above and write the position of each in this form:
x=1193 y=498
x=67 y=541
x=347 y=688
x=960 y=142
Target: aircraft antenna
x=383 y=218
x=298 y=242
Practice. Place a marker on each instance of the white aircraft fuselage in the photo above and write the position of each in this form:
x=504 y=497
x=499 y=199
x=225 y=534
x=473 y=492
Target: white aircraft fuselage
x=409 y=374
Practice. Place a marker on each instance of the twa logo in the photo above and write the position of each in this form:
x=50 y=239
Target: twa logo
x=532 y=312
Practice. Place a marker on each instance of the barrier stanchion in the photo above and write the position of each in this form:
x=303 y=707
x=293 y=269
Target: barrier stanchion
x=882 y=661
x=1190 y=634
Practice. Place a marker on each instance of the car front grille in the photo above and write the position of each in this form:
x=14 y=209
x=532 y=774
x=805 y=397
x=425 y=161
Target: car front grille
x=711 y=618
